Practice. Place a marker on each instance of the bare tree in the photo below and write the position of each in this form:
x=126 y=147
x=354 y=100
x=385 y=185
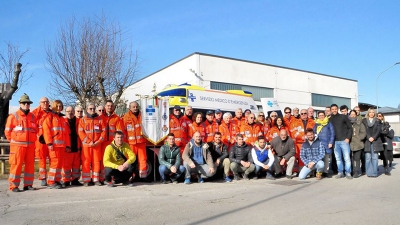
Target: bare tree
x=90 y=61
x=11 y=76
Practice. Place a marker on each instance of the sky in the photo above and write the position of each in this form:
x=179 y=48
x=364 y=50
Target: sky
x=350 y=39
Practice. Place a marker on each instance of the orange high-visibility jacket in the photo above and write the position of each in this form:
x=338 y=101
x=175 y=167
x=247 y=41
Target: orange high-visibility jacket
x=21 y=129
x=238 y=122
x=40 y=114
x=251 y=132
x=186 y=121
x=56 y=130
x=211 y=128
x=229 y=132
x=91 y=129
x=133 y=128
x=194 y=127
x=288 y=121
x=297 y=129
x=275 y=131
x=112 y=123
x=178 y=128
x=265 y=129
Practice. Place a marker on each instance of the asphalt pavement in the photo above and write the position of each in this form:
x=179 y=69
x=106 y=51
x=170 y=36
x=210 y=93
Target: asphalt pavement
x=328 y=201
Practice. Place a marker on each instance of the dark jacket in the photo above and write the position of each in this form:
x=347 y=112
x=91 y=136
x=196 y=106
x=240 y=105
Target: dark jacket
x=388 y=135
x=169 y=156
x=239 y=153
x=312 y=153
x=283 y=149
x=188 y=154
x=375 y=132
x=326 y=136
x=359 y=135
x=342 y=126
x=218 y=152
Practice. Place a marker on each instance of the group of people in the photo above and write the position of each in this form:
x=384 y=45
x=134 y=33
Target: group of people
x=102 y=148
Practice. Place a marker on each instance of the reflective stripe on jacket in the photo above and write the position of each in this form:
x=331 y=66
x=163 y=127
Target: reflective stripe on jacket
x=21 y=129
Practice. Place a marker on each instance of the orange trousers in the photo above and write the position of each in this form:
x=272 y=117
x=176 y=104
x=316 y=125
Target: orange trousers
x=42 y=153
x=71 y=166
x=298 y=148
x=91 y=158
x=141 y=157
x=19 y=156
x=56 y=162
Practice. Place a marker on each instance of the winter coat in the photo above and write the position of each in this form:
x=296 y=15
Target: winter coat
x=170 y=156
x=239 y=153
x=326 y=136
x=359 y=135
x=387 y=135
x=375 y=132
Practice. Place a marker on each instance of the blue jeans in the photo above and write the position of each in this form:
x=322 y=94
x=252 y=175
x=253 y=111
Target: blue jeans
x=305 y=170
x=258 y=168
x=371 y=162
x=163 y=169
x=342 y=149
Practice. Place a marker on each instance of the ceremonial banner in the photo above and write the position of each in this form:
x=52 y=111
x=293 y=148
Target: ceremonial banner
x=155 y=118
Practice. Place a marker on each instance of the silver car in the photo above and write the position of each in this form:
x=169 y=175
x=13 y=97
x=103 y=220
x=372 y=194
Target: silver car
x=396 y=145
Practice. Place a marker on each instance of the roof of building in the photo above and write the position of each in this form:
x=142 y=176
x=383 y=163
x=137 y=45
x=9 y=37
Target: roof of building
x=241 y=60
x=387 y=109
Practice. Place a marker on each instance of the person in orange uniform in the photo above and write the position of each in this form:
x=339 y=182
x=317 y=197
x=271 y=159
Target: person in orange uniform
x=211 y=126
x=265 y=125
x=197 y=126
x=288 y=117
x=178 y=128
x=239 y=118
x=112 y=123
x=229 y=130
x=21 y=130
x=42 y=152
x=297 y=130
x=92 y=132
x=279 y=124
x=57 y=137
x=251 y=130
x=186 y=120
x=133 y=129
x=72 y=160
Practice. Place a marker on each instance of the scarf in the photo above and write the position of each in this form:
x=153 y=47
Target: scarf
x=321 y=124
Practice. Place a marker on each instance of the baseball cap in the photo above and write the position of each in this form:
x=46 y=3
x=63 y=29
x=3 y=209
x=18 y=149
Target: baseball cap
x=209 y=112
x=218 y=111
x=177 y=107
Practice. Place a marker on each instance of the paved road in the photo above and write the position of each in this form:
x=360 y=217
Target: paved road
x=329 y=201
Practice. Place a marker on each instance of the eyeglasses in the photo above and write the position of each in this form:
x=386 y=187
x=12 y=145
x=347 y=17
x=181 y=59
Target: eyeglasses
x=273 y=116
x=91 y=108
x=100 y=110
x=25 y=103
x=251 y=117
x=261 y=115
x=303 y=113
x=287 y=112
x=177 y=110
x=78 y=111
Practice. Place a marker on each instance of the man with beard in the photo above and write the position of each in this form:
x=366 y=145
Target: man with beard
x=241 y=160
x=263 y=158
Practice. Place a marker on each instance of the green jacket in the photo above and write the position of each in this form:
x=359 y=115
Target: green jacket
x=169 y=156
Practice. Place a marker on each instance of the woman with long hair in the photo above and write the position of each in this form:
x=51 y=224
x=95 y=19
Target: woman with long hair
x=277 y=125
x=357 y=142
x=387 y=135
x=373 y=144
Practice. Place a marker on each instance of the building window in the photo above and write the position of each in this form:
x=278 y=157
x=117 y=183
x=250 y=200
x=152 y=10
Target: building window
x=327 y=100
x=258 y=92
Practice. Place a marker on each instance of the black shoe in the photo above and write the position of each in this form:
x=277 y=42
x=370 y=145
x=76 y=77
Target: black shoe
x=390 y=164
x=325 y=175
x=29 y=188
x=357 y=175
x=54 y=186
x=91 y=183
x=289 y=177
x=16 y=190
x=245 y=176
x=76 y=183
x=164 y=181
x=269 y=177
x=387 y=172
x=146 y=180
x=236 y=177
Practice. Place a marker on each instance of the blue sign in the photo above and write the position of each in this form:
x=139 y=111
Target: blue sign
x=192 y=97
x=150 y=110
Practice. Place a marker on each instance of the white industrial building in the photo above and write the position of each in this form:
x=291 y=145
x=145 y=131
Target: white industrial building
x=290 y=87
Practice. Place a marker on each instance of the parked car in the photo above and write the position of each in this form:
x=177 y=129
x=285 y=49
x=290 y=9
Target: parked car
x=396 y=145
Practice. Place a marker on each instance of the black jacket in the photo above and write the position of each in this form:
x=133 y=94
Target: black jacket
x=375 y=132
x=387 y=135
x=220 y=152
x=239 y=153
x=342 y=126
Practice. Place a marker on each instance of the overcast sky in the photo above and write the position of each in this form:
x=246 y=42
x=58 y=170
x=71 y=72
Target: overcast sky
x=351 y=39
